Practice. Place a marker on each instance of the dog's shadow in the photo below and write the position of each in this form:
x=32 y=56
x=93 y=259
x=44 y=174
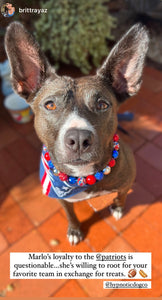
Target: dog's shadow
x=136 y=197
x=94 y=218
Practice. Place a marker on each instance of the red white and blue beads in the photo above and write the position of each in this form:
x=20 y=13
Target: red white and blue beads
x=116 y=146
x=107 y=170
x=72 y=179
x=81 y=181
x=90 y=179
x=115 y=137
x=115 y=154
x=63 y=176
x=55 y=171
x=112 y=163
x=99 y=175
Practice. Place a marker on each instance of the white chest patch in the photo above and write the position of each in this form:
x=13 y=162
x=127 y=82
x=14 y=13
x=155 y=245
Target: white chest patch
x=84 y=170
x=84 y=196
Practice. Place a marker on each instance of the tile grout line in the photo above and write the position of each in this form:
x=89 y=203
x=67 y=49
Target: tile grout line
x=120 y=231
x=68 y=280
x=41 y=236
x=39 y=224
x=156 y=145
x=10 y=245
x=143 y=144
x=59 y=288
x=141 y=136
x=82 y=288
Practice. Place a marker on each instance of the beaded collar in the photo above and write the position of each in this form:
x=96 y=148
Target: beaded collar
x=90 y=179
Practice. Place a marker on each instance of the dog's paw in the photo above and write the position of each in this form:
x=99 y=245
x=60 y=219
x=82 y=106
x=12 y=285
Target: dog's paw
x=74 y=235
x=116 y=212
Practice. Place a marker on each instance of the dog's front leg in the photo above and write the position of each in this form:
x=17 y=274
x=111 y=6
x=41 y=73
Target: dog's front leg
x=74 y=233
x=117 y=208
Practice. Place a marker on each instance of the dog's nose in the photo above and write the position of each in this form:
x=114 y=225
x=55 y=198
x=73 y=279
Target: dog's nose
x=79 y=140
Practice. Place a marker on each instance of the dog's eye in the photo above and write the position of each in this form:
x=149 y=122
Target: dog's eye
x=50 y=105
x=102 y=105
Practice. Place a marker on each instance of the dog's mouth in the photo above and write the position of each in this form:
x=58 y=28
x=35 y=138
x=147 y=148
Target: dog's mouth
x=78 y=165
x=77 y=162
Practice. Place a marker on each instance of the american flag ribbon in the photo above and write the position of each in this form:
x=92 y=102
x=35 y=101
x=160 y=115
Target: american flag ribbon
x=46 y=182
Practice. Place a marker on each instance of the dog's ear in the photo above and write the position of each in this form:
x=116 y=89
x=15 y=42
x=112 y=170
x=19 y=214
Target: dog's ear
x=29 y=67
x=123 y=67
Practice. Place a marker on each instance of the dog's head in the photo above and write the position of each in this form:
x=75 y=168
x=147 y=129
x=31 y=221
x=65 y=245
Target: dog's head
x=76 y=118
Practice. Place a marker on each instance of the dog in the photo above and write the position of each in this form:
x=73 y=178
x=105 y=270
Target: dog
x=76 y=120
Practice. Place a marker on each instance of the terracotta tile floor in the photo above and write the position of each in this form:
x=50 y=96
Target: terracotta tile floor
x=30 y=221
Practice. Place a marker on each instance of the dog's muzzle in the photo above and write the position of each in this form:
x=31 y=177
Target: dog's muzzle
x=78 y=140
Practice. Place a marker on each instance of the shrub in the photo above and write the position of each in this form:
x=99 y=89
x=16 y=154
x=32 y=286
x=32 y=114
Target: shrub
x=75 y=31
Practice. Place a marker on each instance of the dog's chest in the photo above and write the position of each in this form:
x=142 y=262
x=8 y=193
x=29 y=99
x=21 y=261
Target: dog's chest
x=84 y=196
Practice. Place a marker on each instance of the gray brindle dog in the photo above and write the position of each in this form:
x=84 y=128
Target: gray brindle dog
x=76 y=119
